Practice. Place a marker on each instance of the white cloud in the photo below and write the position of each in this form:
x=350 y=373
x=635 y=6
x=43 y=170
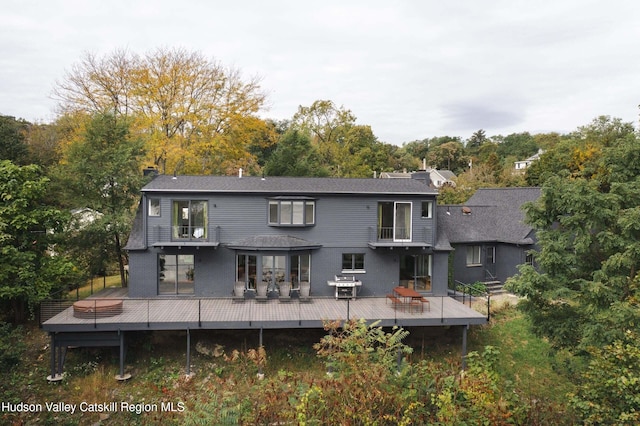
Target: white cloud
x=410 y=69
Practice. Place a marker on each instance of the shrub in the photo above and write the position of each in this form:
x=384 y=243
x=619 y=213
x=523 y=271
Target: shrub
x=12 y=345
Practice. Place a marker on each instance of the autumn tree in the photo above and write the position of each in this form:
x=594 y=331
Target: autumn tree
x=327 y=126
x=191 y=110
x=323 y=121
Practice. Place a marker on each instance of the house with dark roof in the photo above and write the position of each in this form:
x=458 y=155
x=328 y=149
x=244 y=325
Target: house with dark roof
x=243 y=252
x=437 y=178
x=198 y=235
x=488 y=234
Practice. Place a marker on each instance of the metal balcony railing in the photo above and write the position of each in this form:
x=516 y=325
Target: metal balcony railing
x=185 y=233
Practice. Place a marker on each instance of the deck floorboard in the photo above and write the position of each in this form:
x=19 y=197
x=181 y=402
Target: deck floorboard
x=176 y=313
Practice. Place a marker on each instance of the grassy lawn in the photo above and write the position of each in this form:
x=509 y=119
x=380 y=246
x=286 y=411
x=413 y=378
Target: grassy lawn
x=526 y=360
x=95 y=285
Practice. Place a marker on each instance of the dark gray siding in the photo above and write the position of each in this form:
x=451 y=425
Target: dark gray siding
x=508 y=258
x=343 y=224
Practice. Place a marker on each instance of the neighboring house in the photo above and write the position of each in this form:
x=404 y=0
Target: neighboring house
x=520 y=166
x=437 y=178
x=488 y=234
x=198 y=235
x=85 y=216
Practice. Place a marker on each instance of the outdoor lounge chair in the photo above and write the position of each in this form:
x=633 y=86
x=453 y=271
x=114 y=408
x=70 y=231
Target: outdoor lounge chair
x=238 y=291
x=305 y=291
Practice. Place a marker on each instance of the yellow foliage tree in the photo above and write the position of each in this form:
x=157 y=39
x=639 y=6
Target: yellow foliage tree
x=195 y=115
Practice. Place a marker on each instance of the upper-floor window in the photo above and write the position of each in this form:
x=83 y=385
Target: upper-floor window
x=154 y=207
x=292 y=212
x=427 y=210
x=394 y=220
x=189 y=219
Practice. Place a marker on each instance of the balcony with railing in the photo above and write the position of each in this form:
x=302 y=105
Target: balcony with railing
x=184 y=235
x=391 y=233
x=382 y=236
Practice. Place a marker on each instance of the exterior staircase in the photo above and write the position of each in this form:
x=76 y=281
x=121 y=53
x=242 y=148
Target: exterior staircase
x=494 y=287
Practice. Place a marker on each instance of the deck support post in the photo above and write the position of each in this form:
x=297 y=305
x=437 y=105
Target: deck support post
x=122 y=376
x=56 y=365
x=53 y=355
x=260 y=372
x=464 y=346
x=188 y=352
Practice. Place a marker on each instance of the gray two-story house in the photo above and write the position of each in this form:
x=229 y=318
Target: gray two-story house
x=241 y=252
x=199 y=235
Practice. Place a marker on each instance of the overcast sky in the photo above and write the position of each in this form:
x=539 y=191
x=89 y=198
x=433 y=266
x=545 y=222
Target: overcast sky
x=409 y=69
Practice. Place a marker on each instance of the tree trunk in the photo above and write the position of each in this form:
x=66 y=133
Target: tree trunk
x=123 y=279
x=19 y=311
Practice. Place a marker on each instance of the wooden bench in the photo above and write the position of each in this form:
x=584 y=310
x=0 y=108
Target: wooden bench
x=426 y=302
x=394 y=301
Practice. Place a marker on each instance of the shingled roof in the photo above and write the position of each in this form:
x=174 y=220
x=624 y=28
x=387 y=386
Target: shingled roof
x=490 y=215
x=286 y=185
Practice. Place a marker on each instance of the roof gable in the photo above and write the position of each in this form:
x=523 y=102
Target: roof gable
x=490 y=215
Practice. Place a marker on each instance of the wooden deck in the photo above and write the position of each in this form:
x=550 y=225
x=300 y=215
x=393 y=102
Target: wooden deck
x=224 y=313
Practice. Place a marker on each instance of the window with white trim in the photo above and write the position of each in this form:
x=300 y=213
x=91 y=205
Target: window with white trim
x=154 y=207
x=394 y=220
x=473 y=255
x=353 y=262
x=427 y=210
x=189 y=219
x=292 y=212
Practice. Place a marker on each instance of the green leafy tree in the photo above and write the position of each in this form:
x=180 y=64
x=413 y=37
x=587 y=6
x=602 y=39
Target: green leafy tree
x=518 y=145
x=609 y=390
x=585 y=289
x=323 y=121
x=102 y=171
x=363 y=360
x=295 y=156
x=478 y=396
x=12 y=140
x=362 y=154
x=448 y=156
x=327 y=127
x=476 y=142
x=29 y=229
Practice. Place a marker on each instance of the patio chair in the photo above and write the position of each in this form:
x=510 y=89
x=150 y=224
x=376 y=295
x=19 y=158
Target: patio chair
x=285 y=291
x=238 y=291
x=261 y=291
x=305 y=291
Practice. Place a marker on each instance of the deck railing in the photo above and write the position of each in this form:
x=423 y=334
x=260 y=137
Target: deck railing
x=463 y=292
x=210 y=233
x=179 y=313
